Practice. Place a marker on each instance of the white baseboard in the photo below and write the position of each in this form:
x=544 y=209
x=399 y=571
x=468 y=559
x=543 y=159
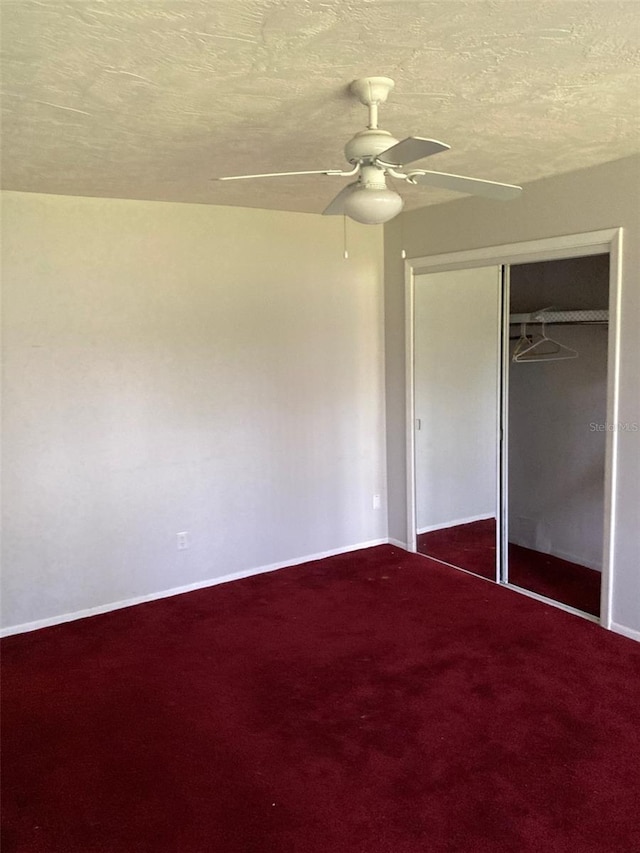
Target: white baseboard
x=443 y=526
x=178 y=590
x=562 y=555
x=397 y=543
x=631 y=633
x=596 y=565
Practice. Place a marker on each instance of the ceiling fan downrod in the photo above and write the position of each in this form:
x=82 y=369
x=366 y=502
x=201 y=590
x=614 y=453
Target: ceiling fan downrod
x=372 y=91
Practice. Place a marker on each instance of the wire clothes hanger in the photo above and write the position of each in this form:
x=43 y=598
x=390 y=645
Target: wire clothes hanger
x=524 y=341
x=542 y=348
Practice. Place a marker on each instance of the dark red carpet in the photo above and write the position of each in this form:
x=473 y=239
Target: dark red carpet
x=473 y=547
x=375 y=702
x=470 y=546
x=558 y=579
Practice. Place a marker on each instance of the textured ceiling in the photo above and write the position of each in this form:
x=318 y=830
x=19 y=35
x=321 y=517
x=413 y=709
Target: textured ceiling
x=150 y=99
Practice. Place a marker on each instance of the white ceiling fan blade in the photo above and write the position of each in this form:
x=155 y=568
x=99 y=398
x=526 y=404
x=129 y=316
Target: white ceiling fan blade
x=411 y=149
x=337 y=205
x=461 y=184
x=284 y=174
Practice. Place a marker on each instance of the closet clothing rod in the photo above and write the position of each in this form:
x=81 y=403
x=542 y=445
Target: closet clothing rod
x=599 y=316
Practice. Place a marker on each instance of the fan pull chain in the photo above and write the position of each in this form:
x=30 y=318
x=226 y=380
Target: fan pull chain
x=403 y=253
x=344 y=236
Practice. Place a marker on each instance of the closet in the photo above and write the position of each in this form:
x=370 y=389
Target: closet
x=509 y=434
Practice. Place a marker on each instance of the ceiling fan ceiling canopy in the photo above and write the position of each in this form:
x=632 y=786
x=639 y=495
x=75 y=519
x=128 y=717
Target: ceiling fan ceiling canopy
x=372 y=90
x=374 y=153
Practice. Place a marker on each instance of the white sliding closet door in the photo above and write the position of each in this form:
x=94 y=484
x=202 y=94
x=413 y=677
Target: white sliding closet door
x=457 y=403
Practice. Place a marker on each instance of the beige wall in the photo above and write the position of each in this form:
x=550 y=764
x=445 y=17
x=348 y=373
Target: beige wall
x=175 y=367
x=219 y=370
x=602 y=197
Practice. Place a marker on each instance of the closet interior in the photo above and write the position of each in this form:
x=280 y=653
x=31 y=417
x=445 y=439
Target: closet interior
x=557 y=406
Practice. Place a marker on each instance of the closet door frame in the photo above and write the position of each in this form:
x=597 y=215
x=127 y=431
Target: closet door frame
x=607 y=241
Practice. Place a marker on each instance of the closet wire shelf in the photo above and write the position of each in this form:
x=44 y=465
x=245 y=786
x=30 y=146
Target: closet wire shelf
x=591 y=316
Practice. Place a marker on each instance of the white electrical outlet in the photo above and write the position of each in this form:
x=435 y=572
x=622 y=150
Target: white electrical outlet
x=376 y=501
x=182 y=540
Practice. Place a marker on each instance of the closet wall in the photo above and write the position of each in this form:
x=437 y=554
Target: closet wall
x=556 y=451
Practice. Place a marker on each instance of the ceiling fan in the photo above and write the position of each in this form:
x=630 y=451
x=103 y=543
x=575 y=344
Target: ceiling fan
x=374 y=153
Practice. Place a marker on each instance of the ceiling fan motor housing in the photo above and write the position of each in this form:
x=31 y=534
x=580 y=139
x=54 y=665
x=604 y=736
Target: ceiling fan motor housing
x=366 y=145
x=372 y=177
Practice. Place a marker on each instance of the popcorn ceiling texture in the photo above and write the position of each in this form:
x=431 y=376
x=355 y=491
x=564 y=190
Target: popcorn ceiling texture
x=151 y=99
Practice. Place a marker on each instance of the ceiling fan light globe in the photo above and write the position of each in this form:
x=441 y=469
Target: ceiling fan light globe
x=373 y=205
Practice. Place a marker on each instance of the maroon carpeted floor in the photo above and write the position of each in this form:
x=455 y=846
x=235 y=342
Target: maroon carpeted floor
x=558 y=579
x=376 y=702
x=473 y=547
